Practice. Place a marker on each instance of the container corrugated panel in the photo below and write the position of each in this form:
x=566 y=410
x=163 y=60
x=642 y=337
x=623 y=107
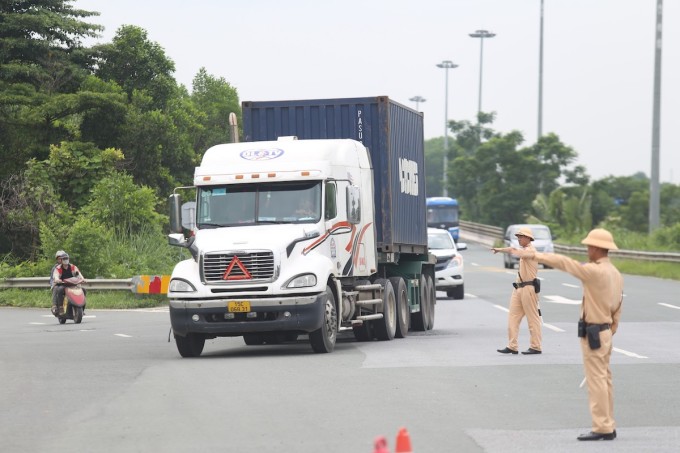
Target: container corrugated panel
x=393 y=134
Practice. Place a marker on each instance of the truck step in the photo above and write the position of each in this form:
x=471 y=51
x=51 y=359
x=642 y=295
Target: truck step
x=369 y=302
x=372 y=287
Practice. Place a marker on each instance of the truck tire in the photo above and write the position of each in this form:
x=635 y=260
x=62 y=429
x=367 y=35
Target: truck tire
x=323 y=339
x=419 y=318
x=191 y=345
x=386 y=327
x=432 y=301
x=364 y=332
x=403 y=312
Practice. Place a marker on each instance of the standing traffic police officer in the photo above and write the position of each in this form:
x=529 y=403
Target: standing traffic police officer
x=600 y=313
x=524 y=299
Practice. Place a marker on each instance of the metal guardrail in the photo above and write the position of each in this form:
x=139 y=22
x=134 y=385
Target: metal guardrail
x=488 y=235
x=140 y=284
x=44 y=282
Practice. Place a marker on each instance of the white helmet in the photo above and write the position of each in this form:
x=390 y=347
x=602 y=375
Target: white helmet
x=61 y=254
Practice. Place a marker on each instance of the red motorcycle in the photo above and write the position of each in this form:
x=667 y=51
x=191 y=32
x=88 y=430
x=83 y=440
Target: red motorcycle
x=74 y=300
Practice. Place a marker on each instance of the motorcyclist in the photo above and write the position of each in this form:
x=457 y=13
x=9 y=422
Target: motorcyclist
x=59 y=274
x=58 y=263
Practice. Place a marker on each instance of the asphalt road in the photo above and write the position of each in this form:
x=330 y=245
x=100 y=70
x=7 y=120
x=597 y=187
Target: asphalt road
x=115 y=384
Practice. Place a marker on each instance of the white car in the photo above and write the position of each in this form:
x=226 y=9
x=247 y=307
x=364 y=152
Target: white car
x=543 y=242
x=449 y=267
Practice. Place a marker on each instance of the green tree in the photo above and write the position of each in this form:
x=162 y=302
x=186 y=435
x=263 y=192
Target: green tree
x=137 y=64
x=498 y=182
x=42 y=63
x=122 y=205
x=215 y=98
x=75 y=168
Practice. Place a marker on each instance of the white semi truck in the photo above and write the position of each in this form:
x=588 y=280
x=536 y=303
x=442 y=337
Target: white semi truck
x=301 y=235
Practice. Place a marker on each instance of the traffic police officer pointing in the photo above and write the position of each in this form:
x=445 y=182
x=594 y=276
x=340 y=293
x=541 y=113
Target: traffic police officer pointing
x=524 y=299
x=600 y=313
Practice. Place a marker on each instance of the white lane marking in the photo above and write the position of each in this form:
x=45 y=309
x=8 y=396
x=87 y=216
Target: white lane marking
x=561 y=300
x=569 y=285
x=37 y=323
x=122 y=335
x=470 y=296
x=509 y=272
x=630 y=354
x=669 y=305
x=551 y=327
x=502 y=308
x=474 y=264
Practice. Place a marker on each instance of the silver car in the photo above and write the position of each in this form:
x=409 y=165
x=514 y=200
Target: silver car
x=543 y=241
x=449 y=267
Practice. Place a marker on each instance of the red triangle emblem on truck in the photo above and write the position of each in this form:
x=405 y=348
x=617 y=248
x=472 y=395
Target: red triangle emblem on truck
x=235 y=261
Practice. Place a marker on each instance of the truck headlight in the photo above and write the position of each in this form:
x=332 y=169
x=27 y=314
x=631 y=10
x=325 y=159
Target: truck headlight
x=181 y=286
x=301 y=281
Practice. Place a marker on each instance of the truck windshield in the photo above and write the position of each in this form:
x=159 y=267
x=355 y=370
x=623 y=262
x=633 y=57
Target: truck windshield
x=242 y=204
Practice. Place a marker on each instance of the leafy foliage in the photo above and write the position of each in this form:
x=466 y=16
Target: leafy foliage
x=127 y=208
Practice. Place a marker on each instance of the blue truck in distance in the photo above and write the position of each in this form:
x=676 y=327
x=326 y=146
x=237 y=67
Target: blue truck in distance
x=442 y=212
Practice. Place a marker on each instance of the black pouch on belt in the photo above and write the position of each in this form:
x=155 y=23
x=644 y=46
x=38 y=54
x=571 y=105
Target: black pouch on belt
x=537 y=285
x=593 y=334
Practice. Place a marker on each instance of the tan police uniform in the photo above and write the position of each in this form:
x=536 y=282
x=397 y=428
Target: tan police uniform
x=524 y=300
x=602 y=297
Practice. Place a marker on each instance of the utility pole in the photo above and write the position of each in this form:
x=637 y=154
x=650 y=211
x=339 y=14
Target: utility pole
x=446 y=65
x=654 y=193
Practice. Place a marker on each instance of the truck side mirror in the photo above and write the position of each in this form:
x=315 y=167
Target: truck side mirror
x=175 y=202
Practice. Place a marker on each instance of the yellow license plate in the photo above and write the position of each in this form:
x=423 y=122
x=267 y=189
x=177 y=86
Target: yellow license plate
x=239 y=307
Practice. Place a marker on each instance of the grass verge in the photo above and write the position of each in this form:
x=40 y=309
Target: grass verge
x=42 y=298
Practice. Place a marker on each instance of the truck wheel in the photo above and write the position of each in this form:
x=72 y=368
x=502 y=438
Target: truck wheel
x=191 y=345
x=253 y=339
x=386 y=327
x=432 y=296
x=419 y=318
x=323 y=339
x=403 y=312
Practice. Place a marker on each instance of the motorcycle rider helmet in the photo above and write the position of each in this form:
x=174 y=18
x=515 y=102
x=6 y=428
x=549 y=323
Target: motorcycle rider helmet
x=60 y=254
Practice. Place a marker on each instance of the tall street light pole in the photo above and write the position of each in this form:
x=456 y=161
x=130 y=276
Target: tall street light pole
x=446 y=64
x=417 y=100
x=654 y=196
x=481 y=34
x=540 y=79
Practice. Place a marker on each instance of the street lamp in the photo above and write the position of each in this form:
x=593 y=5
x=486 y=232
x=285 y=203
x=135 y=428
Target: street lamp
x=481 y=34
x=446 y=64
x=417 y=100
x=540 y=79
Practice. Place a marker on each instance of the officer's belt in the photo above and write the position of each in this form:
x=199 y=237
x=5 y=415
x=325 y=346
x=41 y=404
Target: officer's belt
x=522 y=284
x=601 y=326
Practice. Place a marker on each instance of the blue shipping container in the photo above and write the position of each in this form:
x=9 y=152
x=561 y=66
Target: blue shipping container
x=393 y=134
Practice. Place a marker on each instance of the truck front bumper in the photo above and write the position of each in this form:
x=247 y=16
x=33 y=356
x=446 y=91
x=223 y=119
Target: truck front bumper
x=212 y=317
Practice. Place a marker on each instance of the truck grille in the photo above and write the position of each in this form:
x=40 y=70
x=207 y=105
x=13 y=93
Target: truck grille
x=248 y=267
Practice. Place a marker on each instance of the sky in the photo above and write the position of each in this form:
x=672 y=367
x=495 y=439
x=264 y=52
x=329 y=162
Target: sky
x=598 y=62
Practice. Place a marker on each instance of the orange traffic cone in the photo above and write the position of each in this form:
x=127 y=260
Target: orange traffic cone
x=380 y=445
x=403 y=442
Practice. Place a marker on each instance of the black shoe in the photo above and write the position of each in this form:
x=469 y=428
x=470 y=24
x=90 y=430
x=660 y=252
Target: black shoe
x=507 y=351
x=531 y=351
x=597 y=436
